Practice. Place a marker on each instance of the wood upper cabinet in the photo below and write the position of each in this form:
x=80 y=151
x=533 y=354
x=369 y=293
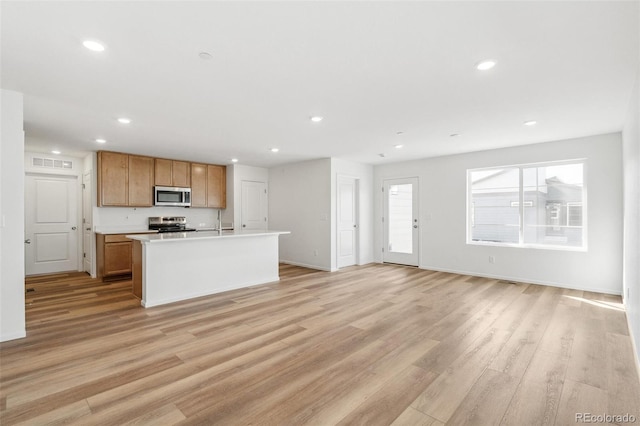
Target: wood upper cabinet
x=208 y=186
x=113 y=179
x=198 y=185
x=140 y=181
x=124 y=180
x=217 y=186
x=172 y=173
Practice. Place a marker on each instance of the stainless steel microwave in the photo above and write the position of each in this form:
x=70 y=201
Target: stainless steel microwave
x=170 y=196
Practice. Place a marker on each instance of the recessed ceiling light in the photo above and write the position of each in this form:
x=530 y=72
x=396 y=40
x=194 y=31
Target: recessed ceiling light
x=274 y=150
x=234 y=160
x=124 y=120
x=399 y=146
x=454 y=135
x=93 y=45
x=399 y=133
x=530 y=123
x=100 y=140
x=381 y=155
x=316 y=118
x=205 y=56
x=485 y=65
x=55 y=151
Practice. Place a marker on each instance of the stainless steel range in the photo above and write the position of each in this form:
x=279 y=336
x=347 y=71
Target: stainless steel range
x=169 y=224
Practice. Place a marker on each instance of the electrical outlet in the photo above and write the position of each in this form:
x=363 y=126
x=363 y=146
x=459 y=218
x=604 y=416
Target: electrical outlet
x=492 y=259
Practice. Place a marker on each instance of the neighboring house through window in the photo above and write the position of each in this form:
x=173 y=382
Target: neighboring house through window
x=531 y=205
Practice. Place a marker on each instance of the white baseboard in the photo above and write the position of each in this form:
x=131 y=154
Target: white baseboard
x=13 y=336
x=305 y=265
x=634 y=344
x=522 y=280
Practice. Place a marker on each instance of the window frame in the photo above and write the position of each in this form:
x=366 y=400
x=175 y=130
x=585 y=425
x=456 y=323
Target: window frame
x=521 y=205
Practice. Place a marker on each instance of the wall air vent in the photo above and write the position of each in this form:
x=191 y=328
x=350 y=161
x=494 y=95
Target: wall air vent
x=51 y=163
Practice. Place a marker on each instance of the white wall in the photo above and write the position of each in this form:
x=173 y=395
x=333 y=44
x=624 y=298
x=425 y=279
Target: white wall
x=442 y=182
x=300 y=202
x=12 y=314
x=364 y=174
x=631 y=169
x=137 y=218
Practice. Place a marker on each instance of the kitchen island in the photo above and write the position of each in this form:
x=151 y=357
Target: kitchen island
x=176 y=266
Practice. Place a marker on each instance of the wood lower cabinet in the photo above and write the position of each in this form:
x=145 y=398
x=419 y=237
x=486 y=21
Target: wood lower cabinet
x=114 y=256
x=172 y=173
x=208 y=186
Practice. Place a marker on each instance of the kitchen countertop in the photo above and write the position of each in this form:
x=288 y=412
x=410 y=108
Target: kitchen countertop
x=200 y=235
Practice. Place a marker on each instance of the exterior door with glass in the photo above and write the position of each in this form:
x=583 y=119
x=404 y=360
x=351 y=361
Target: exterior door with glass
x=401 y=227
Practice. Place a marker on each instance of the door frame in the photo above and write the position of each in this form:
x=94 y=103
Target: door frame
x=384 y=215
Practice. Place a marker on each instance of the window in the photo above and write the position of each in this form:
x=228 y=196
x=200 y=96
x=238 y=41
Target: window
x=533 y=205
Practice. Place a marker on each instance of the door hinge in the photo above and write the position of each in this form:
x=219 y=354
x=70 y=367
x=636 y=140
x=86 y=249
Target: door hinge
x=265 y=219
x=383 y=219
x=265 y=191
x=83 y=186
x=84 y=254
x=383 y=189
x=383 y=249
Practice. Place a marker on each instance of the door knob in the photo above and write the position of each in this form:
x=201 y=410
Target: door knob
x=415 y=226
x=27 y=241
x=244 y=226
x=73 y=228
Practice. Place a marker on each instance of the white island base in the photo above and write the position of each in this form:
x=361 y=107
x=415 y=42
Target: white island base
x=178 y=266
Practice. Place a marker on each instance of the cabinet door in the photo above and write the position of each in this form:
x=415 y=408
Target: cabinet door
x=113 y=179
x=163 y=172
x=198 y=185
x=181 y=174
x=117 y=258
x=140 y=181
x=217 y=186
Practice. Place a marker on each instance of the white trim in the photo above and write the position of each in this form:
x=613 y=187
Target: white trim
x=634 y=346
x=520 y=280
x=306 y=265
x=13 y=336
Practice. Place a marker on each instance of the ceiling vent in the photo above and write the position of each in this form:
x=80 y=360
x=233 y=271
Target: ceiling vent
x=51 y=163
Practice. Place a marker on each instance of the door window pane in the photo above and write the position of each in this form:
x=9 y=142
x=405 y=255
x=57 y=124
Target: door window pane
x=401 y=218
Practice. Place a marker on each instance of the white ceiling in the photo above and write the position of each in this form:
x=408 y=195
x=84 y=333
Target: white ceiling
x=371 y=69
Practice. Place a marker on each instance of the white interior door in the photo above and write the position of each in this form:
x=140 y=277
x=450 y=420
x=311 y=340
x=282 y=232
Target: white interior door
x=51 y=239
x=347 y=221
x=401 y=230
x=87 y=224
x=253 y=211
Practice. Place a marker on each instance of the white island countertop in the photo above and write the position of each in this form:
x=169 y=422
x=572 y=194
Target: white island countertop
x=200 y=235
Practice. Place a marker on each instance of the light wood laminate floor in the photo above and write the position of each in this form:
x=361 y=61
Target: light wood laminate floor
x=370 y=345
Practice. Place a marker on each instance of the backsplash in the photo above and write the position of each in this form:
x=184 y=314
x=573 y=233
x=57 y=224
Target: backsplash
x=137 y=217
